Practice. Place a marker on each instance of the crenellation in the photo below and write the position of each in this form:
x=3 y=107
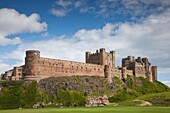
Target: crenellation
x=101 y=63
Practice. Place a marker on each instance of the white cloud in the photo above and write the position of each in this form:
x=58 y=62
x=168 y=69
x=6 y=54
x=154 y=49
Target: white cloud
x=149 y=38
x=5 y=41
x=12 y=22
x=166 y=83
x=46 y=34
x=111 y=8
x=63 y=3
x=59 y=13
x=4 y=67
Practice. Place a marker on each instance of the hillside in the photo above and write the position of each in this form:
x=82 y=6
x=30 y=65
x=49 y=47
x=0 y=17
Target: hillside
x=131 y=87
x=73 y=91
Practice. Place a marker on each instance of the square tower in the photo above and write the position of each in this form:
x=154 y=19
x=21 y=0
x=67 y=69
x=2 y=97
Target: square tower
x=101 y=57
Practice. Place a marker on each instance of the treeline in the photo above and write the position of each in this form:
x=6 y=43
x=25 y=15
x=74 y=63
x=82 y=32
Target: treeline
x=18 y=94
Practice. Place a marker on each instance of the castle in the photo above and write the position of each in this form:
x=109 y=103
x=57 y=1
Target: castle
x=101 y=63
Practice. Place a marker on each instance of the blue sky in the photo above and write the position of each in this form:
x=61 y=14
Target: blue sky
x=65 y=29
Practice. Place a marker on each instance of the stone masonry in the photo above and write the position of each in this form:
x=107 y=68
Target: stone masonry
x=101 y=63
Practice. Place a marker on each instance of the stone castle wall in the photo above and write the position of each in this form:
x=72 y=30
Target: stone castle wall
x=38 y=68
x=101 y=63
x=54 y=67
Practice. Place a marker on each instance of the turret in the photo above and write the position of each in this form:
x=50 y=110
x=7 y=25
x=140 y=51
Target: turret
x=113 y=58
x=154 y=73
x=102 y=56
x=149 y=74
x=32 y=65
x=107 y=73
x=88 y=57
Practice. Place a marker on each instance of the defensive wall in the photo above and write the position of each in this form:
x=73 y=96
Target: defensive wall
x=101 y=63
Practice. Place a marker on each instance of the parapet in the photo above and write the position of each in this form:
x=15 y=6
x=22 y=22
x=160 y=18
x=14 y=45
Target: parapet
x=32 y=53
x=102 y=50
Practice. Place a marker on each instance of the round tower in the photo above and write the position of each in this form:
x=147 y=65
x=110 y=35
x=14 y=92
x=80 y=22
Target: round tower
x=107 y=73
x=32 y=65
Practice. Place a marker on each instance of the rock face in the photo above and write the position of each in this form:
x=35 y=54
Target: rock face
x=97 y=101
x=84 y=84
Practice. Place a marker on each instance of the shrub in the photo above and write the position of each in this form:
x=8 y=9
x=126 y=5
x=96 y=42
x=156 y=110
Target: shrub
x=121 y=96
x=70 y=98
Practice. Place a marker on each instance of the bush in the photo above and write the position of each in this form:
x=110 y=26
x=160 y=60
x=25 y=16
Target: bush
x=121 y=96
x=70 y=98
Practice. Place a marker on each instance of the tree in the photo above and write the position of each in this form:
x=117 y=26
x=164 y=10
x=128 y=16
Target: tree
x=77 y=98
x=64 y=97
x=30 y=95
x=11 y=95
x=8 y=100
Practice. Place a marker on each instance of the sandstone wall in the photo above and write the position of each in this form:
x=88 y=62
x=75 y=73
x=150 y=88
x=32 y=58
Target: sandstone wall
x=129 y=72
x=55 y=67
x=139 y=70
x=101 y=57
x=116 y=72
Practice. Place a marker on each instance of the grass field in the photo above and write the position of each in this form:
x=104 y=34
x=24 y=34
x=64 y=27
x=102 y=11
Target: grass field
x=93 y=110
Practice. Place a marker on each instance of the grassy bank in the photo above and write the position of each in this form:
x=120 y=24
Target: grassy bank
x=93 y=110
x=157 y=99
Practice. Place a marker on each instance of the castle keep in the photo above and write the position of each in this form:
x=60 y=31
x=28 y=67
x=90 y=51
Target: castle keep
x=101 y=63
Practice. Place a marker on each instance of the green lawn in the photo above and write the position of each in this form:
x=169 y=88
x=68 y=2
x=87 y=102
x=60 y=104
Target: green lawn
x=93 y=110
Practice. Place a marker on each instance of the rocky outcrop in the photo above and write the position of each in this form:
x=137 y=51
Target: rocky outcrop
x=97 y=101
x=142 y=102
x=84 y=84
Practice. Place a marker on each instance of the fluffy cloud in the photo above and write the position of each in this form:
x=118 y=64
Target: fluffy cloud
x=3 y=66
x=149 y=38
x=12 y=22
x=5 y=41
x=111 y=8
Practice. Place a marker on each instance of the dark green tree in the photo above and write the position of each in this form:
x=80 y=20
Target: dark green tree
x=30 y=95
x=8 y=100
x=64 y=97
